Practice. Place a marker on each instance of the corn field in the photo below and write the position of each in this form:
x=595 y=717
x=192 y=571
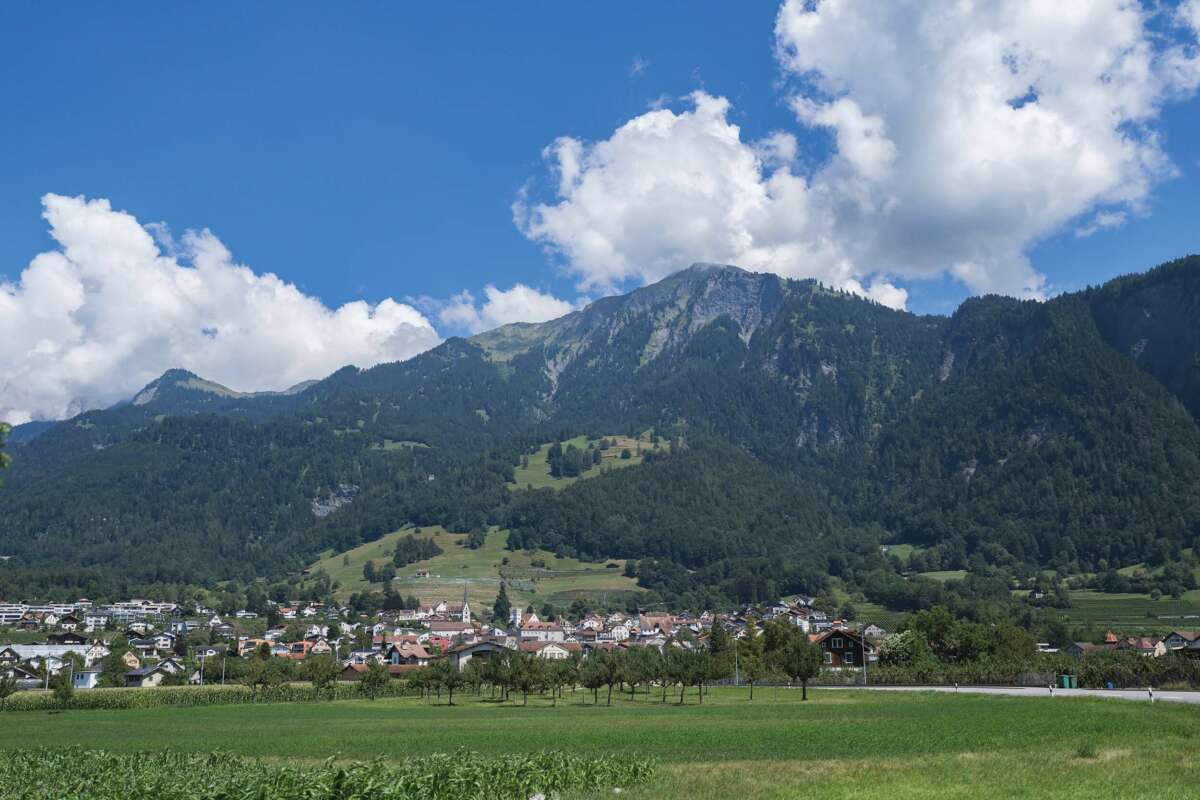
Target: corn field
x=78 y=774
x=190 y=696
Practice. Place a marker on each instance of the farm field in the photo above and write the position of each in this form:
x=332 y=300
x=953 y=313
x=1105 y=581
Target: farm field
x=839 y=744
x=537 y=474
x=1134 y=612
x=479 y=571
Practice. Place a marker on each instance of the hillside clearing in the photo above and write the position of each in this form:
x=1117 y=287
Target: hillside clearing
x=479 y=572
x=536 y=474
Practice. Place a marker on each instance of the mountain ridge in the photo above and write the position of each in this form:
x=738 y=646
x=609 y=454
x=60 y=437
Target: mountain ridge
x=1015 y=435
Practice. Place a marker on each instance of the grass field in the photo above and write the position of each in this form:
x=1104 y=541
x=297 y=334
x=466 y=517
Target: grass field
x=537 y=474
x=841 y=744
x=479 y=571
x=945 y=575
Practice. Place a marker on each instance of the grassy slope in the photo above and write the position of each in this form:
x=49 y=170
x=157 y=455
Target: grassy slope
x=537 y=474
x=840 y=744
x=479 y=571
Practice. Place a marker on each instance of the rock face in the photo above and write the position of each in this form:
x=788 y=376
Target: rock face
x=342 y=495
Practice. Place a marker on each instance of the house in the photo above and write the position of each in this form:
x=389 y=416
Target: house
x=488 y=648
x=204 y=651
x=26 y=678
x=552 y=651
x=406 y=653
x=451 y=629
x=873 y=631
x=69 y=622
x=153 y=675
x=460 y=611
x=542 y=632
x=365 y=656
x=225 y=631
x=1152 y=647
x=591 y=623
x=131 y=660
x=87 y=679
x=70 y=637
x=1178 y=640
x=619 y=632
x=95 y=621
x=298 y=651
x=652 y=622
x=1081 y=649
x=841 y=647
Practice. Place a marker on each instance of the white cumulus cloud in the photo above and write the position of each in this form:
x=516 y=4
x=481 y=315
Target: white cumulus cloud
x=963 y=134
x=499 y=307
x=118 y=303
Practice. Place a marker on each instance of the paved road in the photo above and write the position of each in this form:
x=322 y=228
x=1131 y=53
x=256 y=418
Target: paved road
x=1021 y=691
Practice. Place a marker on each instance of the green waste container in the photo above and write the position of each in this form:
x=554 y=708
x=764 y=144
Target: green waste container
x=1064 y=681
x=1074 y=681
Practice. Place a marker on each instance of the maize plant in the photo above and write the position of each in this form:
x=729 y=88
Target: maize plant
x=80 y=774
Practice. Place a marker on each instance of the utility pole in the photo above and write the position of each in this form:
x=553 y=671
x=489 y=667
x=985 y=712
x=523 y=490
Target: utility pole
x=863 y=641
x=736 y=679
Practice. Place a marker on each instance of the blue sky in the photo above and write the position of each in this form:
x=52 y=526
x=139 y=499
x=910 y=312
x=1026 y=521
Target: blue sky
x=372 y=151
x=360 y=154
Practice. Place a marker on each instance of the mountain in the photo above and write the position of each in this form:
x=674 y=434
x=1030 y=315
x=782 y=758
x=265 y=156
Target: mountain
x=1011 y=436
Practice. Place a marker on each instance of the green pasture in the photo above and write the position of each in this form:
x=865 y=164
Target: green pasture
x=840 y=744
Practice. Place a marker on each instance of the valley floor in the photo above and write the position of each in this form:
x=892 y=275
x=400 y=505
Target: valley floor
x=842 y=743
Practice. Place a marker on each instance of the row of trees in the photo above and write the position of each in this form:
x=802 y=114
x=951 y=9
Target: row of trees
x=781 y=652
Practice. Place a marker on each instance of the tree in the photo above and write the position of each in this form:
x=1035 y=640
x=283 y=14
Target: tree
x=8 y=686
x=374 y=680
x=445 y=675
x=800 y=660
x=63 y=688
x=592 y=675
x=262 y=675
x=5 y=458
x=502 y=607
x=529 y=675
x=751 y=662
x=323 y=672
x=904 y=649
x=294 y=632
x=113 y=667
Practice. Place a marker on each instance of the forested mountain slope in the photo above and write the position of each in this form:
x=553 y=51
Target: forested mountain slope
x=814 y=425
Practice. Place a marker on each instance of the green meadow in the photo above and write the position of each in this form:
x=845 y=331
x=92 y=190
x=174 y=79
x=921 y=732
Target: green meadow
x=536 y=474
x=479 y=572
x=840 y=744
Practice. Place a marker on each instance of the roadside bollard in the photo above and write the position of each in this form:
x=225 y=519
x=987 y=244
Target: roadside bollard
x=1052 y=690
x=956 y=687
x=1151 y=691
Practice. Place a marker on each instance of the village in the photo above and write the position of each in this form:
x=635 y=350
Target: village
x=144 y=644
x=165 y=643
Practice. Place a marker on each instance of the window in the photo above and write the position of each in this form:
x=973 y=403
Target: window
x=848 y=657
x=836 y=643
x=828 y=657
